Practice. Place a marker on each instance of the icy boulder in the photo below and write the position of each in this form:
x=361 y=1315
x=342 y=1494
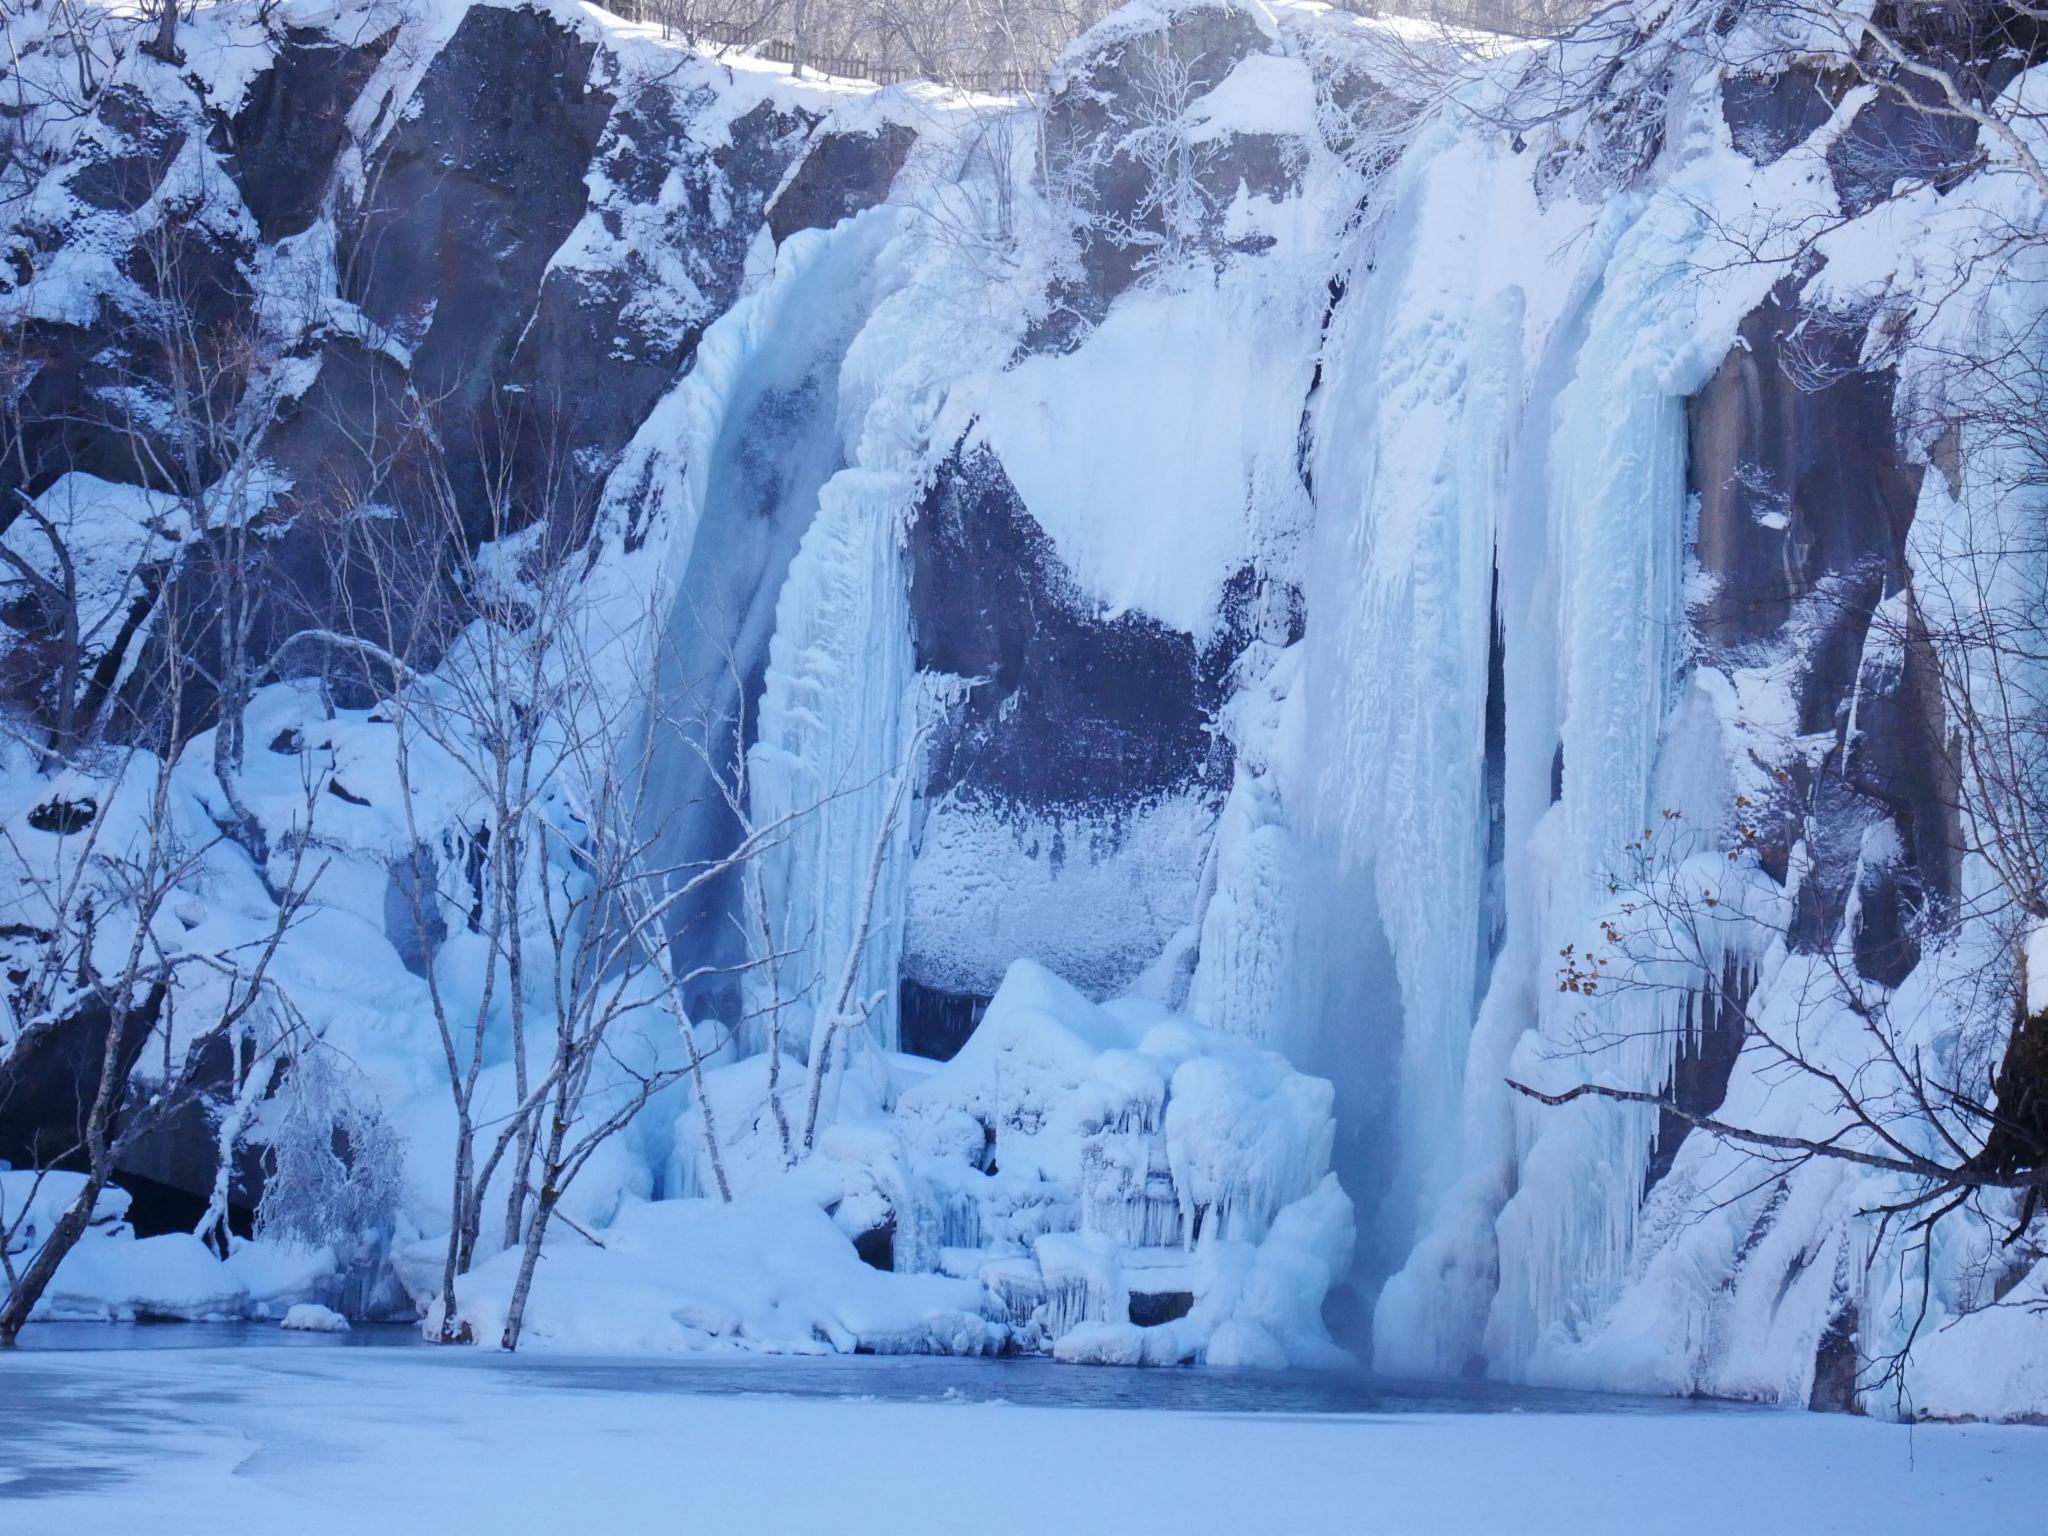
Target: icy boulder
x=1043 y=1070
x=754 y=1142
x=858 y=1172
x=1129 y=1106
x=1103 y=1182
x=1246 y=1134
x=1247 y=1307
x=1276 y=1298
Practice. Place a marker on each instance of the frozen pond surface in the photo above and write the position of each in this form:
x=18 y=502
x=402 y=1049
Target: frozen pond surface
x=243 y=1430
x=895 y=1378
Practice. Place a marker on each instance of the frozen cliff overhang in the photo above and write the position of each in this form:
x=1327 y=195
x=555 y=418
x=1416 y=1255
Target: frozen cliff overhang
x=1309 y=526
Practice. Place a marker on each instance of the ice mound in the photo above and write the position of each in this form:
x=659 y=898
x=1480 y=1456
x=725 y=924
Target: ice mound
x=1118 y=1184
x=1098 y=1182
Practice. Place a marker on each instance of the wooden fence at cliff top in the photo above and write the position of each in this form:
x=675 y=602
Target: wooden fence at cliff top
x=844 y=66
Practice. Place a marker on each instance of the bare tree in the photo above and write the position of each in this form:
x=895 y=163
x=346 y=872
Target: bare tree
x=100 y=950
x=437 y=620
x=1692 y=914
x=1175 y=208
x=611 y=896
x=607 y=896
x=146 y=594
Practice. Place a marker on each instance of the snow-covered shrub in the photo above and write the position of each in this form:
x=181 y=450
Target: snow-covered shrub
x=332 y=1161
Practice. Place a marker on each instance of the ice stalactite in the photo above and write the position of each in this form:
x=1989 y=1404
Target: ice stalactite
x=1616 y=508
x=1244 y=978
x=844 y=705
x=1245 y=1136
x=1643 y=751
x=837 y=727
x=954 y=1214
x=1422 y=376
x=730 y=471
x=1515 y=452
x=1083 y=1282
x=1127 y=1191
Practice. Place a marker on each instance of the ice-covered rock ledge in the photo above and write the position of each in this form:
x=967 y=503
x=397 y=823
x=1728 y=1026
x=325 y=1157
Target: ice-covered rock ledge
x=113 y=1276
x=1104 y=1183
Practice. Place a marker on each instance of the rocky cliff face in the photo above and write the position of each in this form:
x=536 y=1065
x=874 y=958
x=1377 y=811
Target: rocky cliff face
x=1306 y=537
x=306 y=242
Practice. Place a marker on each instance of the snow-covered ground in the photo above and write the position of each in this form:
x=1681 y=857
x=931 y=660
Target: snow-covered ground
x=322 y=1438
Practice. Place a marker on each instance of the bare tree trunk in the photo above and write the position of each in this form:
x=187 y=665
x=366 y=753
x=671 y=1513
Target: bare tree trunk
x=165 y=44
x=42 y=1269
x=548 y=1197
x=655 y=946
x=248 y=830
x=213 y=1225
x=456 y=1260
x=515 y=981
x=23 y=1295
x=529 y=1260
x=767 y=930
x=708 y=1121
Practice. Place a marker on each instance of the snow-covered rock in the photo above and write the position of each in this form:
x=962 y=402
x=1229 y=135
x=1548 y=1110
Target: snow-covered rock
x=311 y=1317
x=171 y=1276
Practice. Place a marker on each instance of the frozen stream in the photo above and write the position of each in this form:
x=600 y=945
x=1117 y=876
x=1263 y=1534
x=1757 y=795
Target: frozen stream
x=222 y=1430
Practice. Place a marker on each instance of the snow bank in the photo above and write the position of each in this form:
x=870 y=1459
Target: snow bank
x=173 y=1276
x=767 y=1273
x=32 y=1203
x=1988 y=1363
x=111 y=1276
